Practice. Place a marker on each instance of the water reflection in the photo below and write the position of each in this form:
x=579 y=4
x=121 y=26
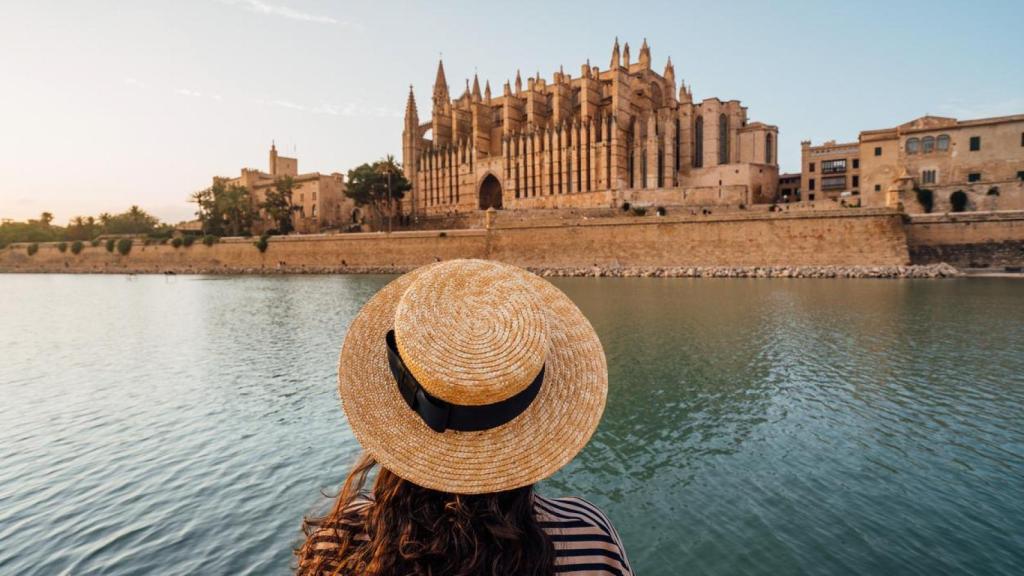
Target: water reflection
x=753 y=426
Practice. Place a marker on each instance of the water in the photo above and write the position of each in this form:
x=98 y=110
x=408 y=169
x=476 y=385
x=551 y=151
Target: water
x=182 y=425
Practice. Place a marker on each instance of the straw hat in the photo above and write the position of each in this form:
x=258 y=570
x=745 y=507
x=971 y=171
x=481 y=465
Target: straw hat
x=472 y=376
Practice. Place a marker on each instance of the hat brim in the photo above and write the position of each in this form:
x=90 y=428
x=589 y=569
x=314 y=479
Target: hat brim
x=533 y=446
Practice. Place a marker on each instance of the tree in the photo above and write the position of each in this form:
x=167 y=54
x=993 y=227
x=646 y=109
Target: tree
x=224 y=209
x=82 y=228
x=278 y=204
x=368 y=186
x=134 y=221
x=236 y=208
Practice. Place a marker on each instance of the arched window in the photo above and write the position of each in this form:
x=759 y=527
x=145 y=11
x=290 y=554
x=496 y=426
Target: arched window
x=928 y=144
x=943 y=142
x=723 y=139
x=913 y=145
x=768 y=149
x=698 y=142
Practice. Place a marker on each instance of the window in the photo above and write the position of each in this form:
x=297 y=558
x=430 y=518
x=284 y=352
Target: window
x=810 y=197
x=698 y=143
x=1022 y=138
x=856 y=181
x=943 y=143
x=856 y=163
x=878 y=187
x=928 y=176
x=928 y=145
x=878 y=150
x=314 y=196
x=913 y=145
x=810 y=185
x=833 y=166
x=975 y=143
x=974 y=177
x=723 y=139
x=811 y=167
x=1020 y=175
x=833 y=183
x=768 y=149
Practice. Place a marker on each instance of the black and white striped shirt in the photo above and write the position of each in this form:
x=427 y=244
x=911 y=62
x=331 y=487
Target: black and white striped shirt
x=585 y=542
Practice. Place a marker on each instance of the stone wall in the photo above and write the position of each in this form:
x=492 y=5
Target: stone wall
x=840 y=238
x=968 y=239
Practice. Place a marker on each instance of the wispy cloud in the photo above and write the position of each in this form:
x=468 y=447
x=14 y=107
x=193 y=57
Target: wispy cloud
x=187 y=92
x=282 y=11
x=963 y=110
x=134 y=82
x=347 y=109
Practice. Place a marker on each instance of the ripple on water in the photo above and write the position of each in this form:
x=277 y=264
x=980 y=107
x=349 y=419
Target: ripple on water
x=752 y=427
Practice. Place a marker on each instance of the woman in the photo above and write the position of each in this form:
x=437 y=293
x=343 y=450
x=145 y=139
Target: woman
x=467 y=382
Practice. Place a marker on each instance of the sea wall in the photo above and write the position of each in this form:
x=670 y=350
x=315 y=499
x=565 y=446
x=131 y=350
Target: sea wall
x=968 y=239
x=839 y=238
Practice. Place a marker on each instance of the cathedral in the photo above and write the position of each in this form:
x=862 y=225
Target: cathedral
x=601 y=139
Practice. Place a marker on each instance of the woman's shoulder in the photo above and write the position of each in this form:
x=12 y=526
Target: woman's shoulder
x=583 y=536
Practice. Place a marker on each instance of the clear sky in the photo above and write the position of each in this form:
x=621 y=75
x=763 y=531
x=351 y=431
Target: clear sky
x=104 y=104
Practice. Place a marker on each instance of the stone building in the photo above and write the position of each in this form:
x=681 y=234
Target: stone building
x=961 y=165
x=789 y=187
x=600 y=139
x=319 y=199
x=830 y=170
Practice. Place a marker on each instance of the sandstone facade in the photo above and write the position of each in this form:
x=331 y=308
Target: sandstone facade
x=319 y=199
x=604 y=137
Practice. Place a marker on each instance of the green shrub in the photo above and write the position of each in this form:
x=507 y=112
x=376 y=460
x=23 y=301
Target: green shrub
x=77 y=246
x=262 y=244
x=210 y=239
x=33 y=248
x=110 y=244
x=176 y=242
x=124 y=246
x=94 y=242
x=639 y=210
x=62 y=246
x=926 y=198
x=188 y=240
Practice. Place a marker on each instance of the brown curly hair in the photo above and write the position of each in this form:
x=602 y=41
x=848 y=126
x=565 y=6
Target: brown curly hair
x=400 y=528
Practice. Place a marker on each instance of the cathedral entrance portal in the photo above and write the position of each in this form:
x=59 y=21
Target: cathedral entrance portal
x=490 y=193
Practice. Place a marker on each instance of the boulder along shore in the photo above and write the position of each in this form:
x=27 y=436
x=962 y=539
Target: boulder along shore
x=941 y=270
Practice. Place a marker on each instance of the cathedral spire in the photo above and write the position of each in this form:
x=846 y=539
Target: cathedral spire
x=645 y=55
x=616 y=61
x=476 y=87
x=411 y=115
x=519 y=82
x=487 y=91
x=670 y=71
x=440 y=85
x=625 y=55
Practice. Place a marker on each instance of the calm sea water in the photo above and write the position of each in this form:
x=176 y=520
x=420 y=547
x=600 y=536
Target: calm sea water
x=184 y=425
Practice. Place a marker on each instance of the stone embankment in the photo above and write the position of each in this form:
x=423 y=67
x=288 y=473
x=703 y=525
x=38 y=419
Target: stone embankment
x=928 y=271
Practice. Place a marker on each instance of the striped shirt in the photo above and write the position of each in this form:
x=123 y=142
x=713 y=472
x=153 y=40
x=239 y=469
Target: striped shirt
x=585 y=542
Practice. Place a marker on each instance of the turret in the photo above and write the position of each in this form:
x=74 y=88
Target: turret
x=441 y=97
x=625 y=55
x=273 y=158
x=476 y=89
x=519 y=83
x=410 y=137
x=645 y=56
x=616 y=59
x=670 y=73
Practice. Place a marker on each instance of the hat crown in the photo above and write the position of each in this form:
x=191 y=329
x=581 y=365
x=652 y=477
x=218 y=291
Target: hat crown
x=471 y=332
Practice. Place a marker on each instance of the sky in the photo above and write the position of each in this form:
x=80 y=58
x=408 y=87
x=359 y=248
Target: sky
x=105 y=104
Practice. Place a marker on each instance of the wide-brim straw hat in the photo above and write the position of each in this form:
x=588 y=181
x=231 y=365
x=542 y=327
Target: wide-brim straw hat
x=491 y=342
